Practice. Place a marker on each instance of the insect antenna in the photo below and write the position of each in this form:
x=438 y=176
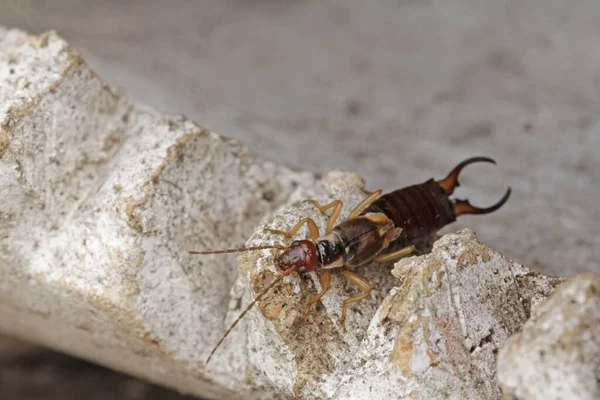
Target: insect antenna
x=241 y=249
x=256 y=300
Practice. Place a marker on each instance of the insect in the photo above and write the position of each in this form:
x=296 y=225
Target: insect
x=379 y=229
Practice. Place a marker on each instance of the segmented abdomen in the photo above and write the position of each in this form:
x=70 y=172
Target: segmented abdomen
x=420 y=210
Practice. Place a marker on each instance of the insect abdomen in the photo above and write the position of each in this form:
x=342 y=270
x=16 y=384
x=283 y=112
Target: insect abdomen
x=420 y=210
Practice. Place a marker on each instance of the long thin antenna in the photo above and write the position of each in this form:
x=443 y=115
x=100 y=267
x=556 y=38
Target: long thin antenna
x=241 y=249
x=256 y=300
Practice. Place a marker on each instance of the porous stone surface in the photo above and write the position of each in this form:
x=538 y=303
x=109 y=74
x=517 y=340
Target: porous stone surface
x=436 y=334
x=557 y=355
x=101 y=199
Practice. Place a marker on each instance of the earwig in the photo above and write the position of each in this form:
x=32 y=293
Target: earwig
x=379 y=229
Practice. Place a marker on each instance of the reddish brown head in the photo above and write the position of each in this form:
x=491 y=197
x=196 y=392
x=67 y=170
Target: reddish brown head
x=301 y=256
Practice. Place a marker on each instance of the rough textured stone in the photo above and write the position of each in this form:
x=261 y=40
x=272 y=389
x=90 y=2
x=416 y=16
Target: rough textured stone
x=557 y=355
x=434 y=337
x=101 y=199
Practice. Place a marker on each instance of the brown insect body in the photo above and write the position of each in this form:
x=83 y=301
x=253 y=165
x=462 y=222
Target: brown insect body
x=357 y=241
x=418 y=210
x=422 y=210
x=379 y=229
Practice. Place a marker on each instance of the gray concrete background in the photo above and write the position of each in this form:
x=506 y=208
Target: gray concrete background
x=399 y=91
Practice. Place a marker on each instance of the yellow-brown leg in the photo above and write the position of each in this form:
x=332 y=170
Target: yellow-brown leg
x=337 y=209
x=395 y=255
x=362 y=284
x=312 y=228
x=325 y=285
x=365 y=203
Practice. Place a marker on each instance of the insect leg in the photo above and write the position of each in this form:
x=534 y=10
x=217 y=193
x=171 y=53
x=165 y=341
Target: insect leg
x=312 y=228
x=386 y=257
x=337 y=209
x=324 y=207
x=362 y=284
x=325 y=284
x=365 y=203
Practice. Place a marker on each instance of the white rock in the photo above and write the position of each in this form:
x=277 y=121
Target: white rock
x=557 y=355
x=100 y=202
x=434 y=337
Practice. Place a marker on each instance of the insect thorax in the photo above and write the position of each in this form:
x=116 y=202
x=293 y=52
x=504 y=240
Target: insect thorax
x=365 y=237
x=330 y=251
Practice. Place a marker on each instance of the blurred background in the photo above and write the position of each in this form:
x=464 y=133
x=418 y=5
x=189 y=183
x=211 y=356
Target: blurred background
x=398 y=90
